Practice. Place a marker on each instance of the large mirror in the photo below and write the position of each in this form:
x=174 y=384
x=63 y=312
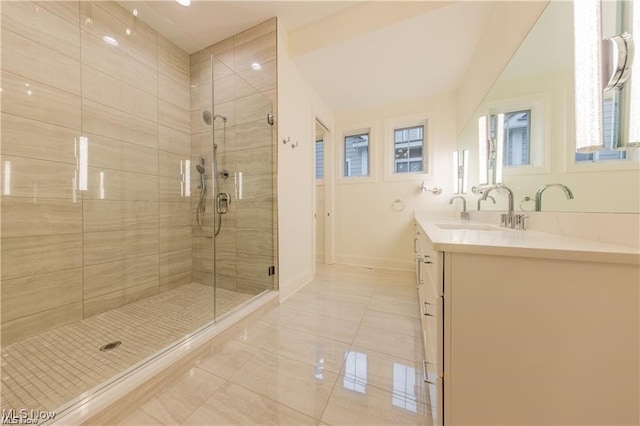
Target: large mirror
x=531 y=108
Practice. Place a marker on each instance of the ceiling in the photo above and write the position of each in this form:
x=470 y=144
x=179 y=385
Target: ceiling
x=355 y=54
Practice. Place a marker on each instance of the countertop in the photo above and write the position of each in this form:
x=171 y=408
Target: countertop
x=528 y=243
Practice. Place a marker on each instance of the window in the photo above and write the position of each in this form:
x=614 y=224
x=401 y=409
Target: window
x=356 y=155
x=408 y=148
x=610 y=134
x=517 y=137
x=319 y=159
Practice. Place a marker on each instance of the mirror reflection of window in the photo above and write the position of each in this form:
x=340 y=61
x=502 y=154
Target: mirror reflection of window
x=517 y=138
x=404 y=385
x=355 y=372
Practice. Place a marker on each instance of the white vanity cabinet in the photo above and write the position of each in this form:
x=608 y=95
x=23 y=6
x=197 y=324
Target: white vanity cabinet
x=429 y=275
x=527 y=336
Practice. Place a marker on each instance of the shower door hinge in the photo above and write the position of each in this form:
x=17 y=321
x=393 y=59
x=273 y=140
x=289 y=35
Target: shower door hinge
x=270 y=119
x=272 y=270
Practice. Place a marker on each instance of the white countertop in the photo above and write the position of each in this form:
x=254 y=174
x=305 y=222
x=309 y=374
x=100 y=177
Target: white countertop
x=506 y=242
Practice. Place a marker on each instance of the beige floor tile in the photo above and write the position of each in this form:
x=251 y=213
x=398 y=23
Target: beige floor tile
x=394 y=305
x=256 y=334
x=391 y=323
x=372 y=406
x=228 y=358
x=140 y=418
x=177 y=401
x=320 y=352
x=280 y=315
x=332 y=328
x=292 y=383
x=337 y=309
x=365 y=367
x=390 y=343
x=232 y=404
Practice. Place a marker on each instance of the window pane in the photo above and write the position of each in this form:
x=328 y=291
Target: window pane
x=401 y=167
x=319 y=159
x=356 y=155
x=415 y=166
x=409 y=144
x=517 y=131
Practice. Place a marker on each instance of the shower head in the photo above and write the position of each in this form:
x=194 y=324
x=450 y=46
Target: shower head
x=200 y=168
x=206 y=116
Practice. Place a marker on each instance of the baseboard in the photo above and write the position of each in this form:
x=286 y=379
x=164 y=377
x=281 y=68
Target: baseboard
x=292 y=285
x=376 y=262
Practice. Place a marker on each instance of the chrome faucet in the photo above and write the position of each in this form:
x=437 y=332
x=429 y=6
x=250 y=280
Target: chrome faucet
x=464 y=214
x=489 y=197
x=565 y=189
x=507 y=220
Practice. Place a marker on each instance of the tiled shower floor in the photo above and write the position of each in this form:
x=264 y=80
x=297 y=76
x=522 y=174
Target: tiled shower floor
x=48 y=370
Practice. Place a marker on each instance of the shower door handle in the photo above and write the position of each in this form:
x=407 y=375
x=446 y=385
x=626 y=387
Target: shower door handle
x=223 y=199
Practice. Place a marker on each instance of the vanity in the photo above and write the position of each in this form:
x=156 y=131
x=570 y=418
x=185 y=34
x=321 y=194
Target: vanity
x=527 y=327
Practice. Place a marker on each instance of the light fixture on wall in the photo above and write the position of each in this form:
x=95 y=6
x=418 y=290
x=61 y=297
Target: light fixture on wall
x=483 y=149
x=588 y=90
x=634 y=92
x=460 y=179
x=496 y=149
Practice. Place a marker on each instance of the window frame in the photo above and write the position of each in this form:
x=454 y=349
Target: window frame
x=357 y=129
x=403 y=122
x=539 y=131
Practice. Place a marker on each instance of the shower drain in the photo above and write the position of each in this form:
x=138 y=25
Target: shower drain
x=111 y=345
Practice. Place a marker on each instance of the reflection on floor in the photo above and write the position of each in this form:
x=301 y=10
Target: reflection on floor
x=48 y=370
x=346 y=349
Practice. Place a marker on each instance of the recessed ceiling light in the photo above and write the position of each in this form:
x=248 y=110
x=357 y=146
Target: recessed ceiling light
x=135 y=12
x=184 y=2
x=110 y=40
x=256 y=66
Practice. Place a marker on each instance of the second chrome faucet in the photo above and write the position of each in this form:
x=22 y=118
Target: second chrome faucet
x=509 y=219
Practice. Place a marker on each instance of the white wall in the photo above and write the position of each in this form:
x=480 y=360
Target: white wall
x=298 y=105
x=367 y=230
x=508 y=25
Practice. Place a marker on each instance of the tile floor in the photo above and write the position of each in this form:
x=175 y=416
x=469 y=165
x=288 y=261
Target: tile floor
x=48 y=370
x=346 y=349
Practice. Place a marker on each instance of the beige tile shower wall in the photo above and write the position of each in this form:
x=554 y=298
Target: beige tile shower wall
x=70 y=252
x=245 y=246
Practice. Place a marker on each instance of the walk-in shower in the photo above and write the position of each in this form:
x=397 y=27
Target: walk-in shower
x=110 y=206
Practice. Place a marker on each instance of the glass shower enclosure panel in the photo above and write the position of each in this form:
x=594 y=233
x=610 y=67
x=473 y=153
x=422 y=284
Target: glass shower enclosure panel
x=237 y=238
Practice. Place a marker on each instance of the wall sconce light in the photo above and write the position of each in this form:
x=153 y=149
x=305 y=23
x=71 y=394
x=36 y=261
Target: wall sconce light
x=490 y=138
x=483 y=149
x=496 y=151
x=588 y=90
x=634 y=92
x=460 y=176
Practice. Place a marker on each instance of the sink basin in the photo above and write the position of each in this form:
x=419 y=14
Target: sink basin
x=466 y=226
